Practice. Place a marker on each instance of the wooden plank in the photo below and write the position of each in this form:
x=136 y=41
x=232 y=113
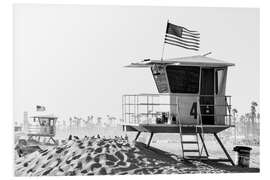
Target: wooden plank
x=191 y=150
x=189 y=142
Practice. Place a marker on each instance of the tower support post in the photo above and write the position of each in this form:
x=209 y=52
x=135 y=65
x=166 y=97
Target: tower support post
x=224 y=149
x=204 y=146
x=138 y=134
x=150 y=139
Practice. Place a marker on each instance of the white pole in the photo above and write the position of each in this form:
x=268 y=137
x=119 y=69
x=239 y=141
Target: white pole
x=163 y=51
x=164 y=43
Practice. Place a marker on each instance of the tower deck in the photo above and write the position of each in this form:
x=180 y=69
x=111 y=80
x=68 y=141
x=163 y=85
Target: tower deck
x=174 y=128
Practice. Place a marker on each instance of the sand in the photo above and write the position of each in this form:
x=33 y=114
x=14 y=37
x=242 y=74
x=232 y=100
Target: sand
x=106 y=156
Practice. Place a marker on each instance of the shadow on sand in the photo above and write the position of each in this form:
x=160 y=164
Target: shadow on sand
x=175 y=160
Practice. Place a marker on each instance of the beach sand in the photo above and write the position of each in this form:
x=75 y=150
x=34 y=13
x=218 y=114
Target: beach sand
x=110 y=156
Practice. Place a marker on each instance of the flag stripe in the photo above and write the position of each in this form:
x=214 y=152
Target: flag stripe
x=189 y=30
x=181 y=39
x=195 y=34
x=187 y=35
x=178 y=42
x=181 y=46
x=192 y=39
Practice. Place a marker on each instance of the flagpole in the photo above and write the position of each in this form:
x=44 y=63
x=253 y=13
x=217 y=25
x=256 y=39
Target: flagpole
x=163 y=51
x=163 y=48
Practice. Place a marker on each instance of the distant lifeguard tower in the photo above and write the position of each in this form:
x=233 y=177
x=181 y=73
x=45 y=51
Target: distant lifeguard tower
x=45 y=127
x=191 y=101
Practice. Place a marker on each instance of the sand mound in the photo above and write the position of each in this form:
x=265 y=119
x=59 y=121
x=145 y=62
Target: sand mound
x=101 y=156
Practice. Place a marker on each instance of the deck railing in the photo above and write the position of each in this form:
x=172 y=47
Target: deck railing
x=41 y=130
x=146 y=108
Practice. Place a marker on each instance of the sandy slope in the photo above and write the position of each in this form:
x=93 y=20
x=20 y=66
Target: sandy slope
x=101 y=156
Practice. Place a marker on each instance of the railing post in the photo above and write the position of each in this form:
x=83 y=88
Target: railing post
x=230 y=111
x=138 y=118
x=228 y=106
x=197 y=110
x=152 y=107
x=128 y=108
x=226 y=110
x=147 y=103
x=178 y=109
x=123 y=108
x=134 y=109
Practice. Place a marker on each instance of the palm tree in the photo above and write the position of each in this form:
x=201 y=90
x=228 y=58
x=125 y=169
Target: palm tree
x=89 y=121
x=109 y=120
x=64 y=124
x=70 y=123
x=253 y=116
x=99 y=120
x=247 y=125
x=242 y=125
x=258 y=123
x=112 y=120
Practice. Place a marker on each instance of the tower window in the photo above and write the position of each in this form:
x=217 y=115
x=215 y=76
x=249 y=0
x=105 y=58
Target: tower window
x=183 y=79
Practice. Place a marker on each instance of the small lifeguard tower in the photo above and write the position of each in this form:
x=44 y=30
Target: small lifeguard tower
x=45 y=126
x=191 y=101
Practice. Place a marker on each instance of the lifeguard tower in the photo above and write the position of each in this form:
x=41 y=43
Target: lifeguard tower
x=44 y=127
x=191 y=101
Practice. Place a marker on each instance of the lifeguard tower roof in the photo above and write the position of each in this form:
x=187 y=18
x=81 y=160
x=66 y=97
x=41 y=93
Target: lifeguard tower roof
x=185 y=61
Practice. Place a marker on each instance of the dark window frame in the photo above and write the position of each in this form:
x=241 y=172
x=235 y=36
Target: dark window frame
x=187 y=87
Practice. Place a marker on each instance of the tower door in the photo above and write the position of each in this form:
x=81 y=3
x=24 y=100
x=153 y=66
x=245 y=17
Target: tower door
x=207 y=96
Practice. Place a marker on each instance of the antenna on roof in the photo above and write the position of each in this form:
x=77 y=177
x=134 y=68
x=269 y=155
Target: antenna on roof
x=207 y=54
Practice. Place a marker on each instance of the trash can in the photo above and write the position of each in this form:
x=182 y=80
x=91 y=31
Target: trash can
x=243 y=155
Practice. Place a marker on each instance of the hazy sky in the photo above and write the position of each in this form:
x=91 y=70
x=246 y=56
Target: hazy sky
x=70 y=58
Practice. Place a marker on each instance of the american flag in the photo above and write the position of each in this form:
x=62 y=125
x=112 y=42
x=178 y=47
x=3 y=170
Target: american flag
x=182 y=37
x=40 y=108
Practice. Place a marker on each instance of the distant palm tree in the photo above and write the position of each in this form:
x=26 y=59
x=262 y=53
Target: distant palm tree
x=247 y=125
x=99 y=120
x=64 y=125
x=70 y=122
x=258 y=117
x=258 y=123
x=234 y=113
x=89 y=121
x=242 y=124
x=253 y=116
